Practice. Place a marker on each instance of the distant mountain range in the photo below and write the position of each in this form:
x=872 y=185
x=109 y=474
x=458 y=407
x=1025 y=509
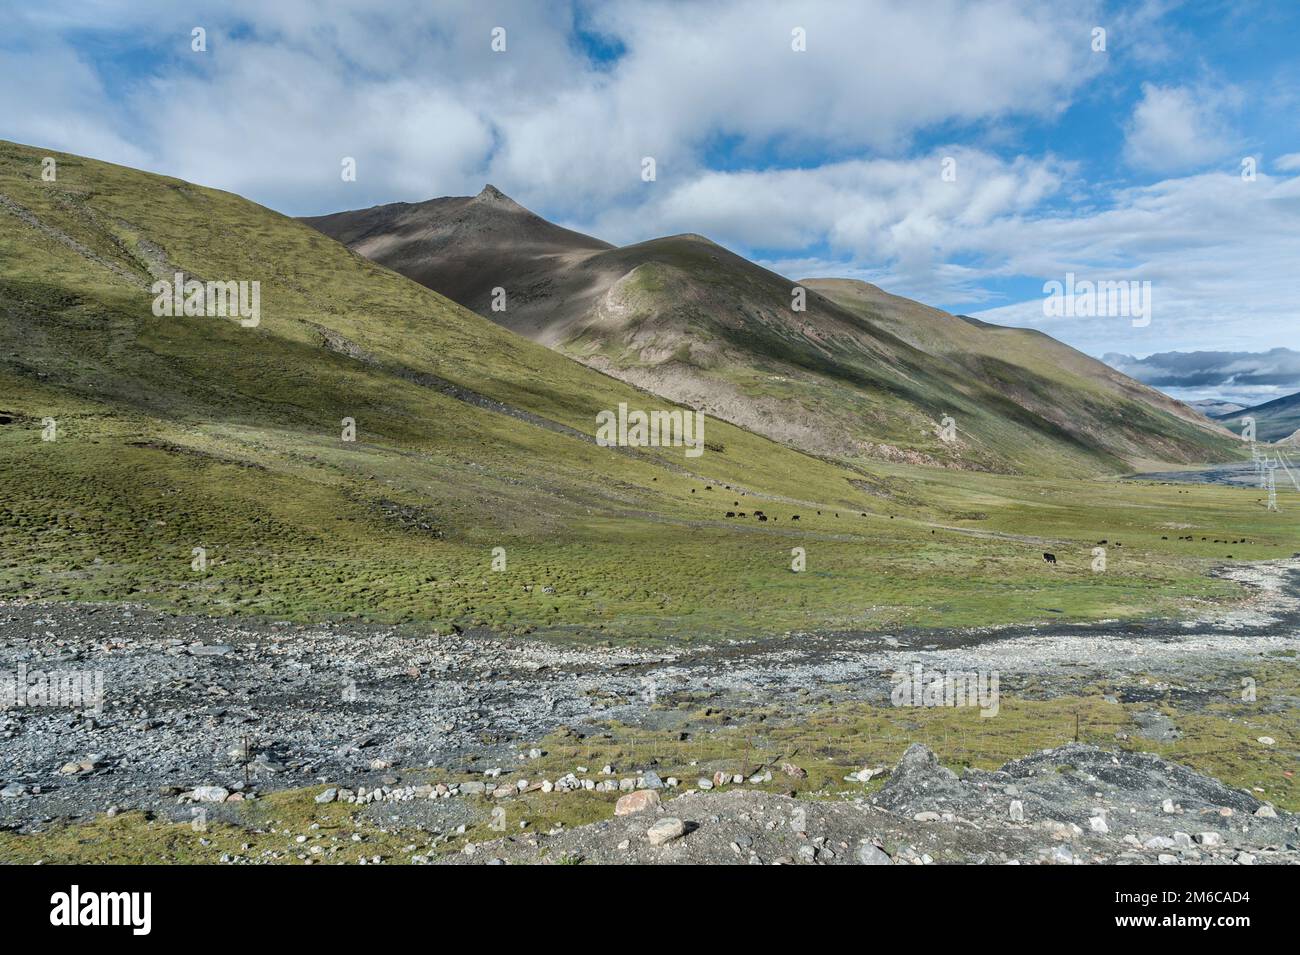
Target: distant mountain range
x=829 y=366
x=1274 y=420
x=1213 y=406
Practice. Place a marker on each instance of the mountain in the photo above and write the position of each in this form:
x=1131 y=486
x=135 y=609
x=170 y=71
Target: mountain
x=1211 y=407
x=360 y=447
x=1274 y=420
x=856 y=374
x=170 y=432
x=463 y=247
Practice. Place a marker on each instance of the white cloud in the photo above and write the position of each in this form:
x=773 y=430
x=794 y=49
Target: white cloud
x=874 y=74
x=1220 y=254
x=1177 y=128
x=50 y=97
x=901 y=214
x=416 y=89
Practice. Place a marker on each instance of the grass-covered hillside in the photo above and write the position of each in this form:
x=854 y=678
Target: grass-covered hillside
x=173 y=433
x=839 y=373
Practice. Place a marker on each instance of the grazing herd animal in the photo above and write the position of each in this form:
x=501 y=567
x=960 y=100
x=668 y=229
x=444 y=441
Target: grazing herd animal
x=1190 y=537
x=1051 y=558
x=1047 y=557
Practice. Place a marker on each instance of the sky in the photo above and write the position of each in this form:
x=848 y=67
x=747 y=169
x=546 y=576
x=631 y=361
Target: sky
x=962 y=154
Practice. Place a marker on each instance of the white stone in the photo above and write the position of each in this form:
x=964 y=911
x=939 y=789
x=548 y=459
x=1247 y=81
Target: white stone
x=209 y=794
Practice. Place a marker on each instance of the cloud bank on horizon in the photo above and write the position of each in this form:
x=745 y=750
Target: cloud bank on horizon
x=1247 y=378
x=962 y=154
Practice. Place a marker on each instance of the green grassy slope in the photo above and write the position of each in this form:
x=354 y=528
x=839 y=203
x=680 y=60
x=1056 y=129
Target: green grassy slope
x=175 y=433
x=1082 y=396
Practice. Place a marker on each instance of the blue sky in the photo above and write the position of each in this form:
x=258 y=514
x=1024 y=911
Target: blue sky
x=1118 y=164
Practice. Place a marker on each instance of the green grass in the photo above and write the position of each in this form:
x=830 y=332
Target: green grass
x=302 y=534
x=177 y=433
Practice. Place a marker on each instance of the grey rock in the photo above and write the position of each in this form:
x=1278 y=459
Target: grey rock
x=212 y=650
x=666 y=830
x=870 y=854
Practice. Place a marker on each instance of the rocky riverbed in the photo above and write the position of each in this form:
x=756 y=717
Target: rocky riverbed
x=1066 y=806
x=216 y=712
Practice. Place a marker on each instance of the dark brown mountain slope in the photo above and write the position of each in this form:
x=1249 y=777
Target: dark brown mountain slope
x=855 y=372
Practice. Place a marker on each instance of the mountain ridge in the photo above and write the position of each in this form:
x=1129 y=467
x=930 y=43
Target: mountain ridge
x=1275 y=420
x=688 y=319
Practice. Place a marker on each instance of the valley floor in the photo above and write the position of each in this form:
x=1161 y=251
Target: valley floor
x=432 y=730
x=1232 y=474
